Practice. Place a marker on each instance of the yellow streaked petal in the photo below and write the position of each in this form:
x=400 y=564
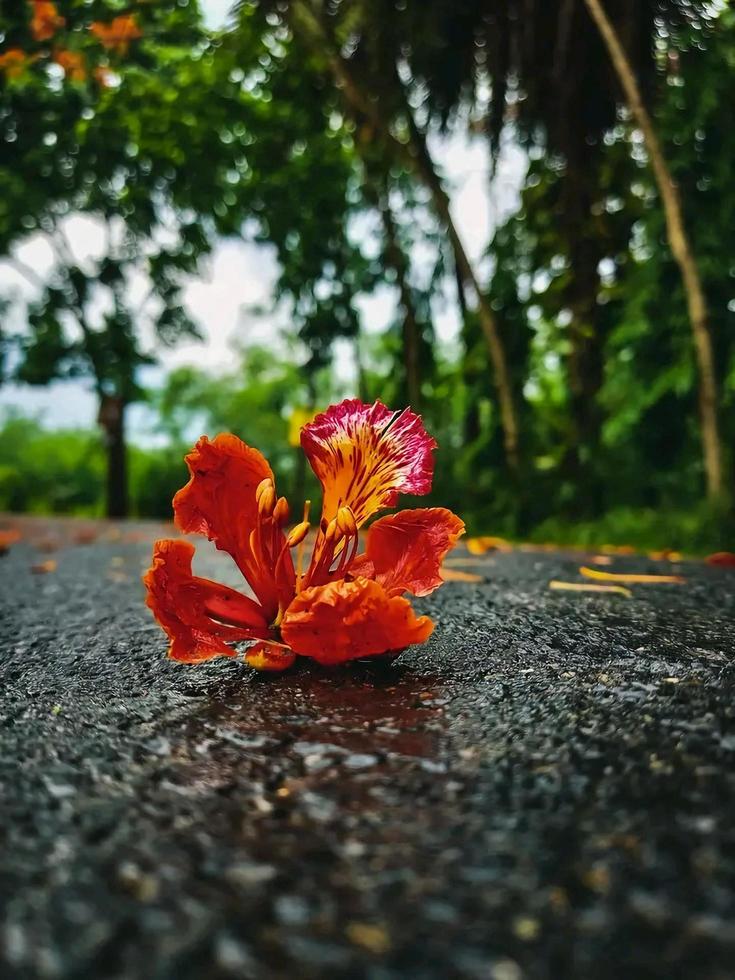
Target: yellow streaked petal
x=632 y=578
x=583 y=587
x=365 y=455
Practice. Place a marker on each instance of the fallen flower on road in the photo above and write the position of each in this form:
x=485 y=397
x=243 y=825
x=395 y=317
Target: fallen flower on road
x=584 y=587
x=344 y=605
x=722 y=559
x=630 y=578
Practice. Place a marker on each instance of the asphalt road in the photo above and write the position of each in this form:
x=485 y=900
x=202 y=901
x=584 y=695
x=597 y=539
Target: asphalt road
x=545 y=789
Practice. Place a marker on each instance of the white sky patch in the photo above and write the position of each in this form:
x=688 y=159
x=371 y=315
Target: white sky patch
x=217 y=13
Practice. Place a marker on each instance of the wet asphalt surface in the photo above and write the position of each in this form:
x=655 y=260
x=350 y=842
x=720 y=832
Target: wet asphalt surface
x=545 y=789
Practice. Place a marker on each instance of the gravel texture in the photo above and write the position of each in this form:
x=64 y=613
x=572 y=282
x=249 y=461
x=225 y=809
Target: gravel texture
x=545 y=789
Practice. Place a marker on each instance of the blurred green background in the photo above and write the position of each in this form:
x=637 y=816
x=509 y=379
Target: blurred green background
x=517 y=216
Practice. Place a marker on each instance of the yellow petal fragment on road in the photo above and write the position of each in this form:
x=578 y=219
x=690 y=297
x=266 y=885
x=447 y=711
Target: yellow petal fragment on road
x=371 y=937
x=466 y=562
x=630 y=579
x=665 y=555
x=44 y=567
x=456 y=575
x=485 y=543
x=583 y=587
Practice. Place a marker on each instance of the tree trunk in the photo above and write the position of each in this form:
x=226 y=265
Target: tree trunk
x=112 y=421
x=681 y=250
x=411 y=333
x=416 y=155
x=585 y=362
x=488 y=322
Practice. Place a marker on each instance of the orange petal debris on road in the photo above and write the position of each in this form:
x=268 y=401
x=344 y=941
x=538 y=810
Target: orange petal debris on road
x=457 y=575
x=44 y=567
x=8 y=538
x=583 y=587
x=630 y=579
x=481 y=545
x=722 y=559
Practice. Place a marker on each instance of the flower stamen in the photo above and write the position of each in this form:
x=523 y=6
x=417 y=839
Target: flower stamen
x=302 y=539
x=265 y=496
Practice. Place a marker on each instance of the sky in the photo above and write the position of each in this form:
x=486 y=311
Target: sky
x=238 y=275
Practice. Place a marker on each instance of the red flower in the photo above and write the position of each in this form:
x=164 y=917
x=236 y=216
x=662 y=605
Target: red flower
x=14 y=62
x=45 y=21
x=118 y=33
x=345 y=604
x=73 y=64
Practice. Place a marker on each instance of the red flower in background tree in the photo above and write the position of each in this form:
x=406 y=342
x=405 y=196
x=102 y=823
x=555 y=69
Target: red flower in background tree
x=14 y=62
x=344 y=604
x=45 y=21
x=73 y=64
x=118 y=33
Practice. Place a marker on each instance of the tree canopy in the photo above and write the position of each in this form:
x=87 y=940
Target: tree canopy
x=577 y=383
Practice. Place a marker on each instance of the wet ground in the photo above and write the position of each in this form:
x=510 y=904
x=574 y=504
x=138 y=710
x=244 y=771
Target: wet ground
x=545 y=789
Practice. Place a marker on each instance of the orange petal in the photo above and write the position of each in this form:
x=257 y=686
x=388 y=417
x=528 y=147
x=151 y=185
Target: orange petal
x=632 y=578
x=407 y=549
x=365 y=455
x=269 y=655
x=219 y=501
x=346 y=620
x=200 y=617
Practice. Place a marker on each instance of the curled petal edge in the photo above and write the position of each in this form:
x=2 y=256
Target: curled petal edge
x=345 y=621
x=199 y=617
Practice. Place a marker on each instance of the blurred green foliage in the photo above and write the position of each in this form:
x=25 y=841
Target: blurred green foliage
x=244 y=132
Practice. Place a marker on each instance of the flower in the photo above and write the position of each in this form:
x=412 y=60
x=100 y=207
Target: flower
x=344 y=605
x=14 y=62
x=73 y=64
x=46 y=20
x=117 y=35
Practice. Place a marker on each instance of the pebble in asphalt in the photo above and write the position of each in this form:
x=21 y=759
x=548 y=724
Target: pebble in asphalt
x=545 y=789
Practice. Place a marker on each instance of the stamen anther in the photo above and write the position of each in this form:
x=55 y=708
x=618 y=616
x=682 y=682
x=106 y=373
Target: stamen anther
x=281 y=511
x=265 y=496
x=346 y=521
x=297 y=534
